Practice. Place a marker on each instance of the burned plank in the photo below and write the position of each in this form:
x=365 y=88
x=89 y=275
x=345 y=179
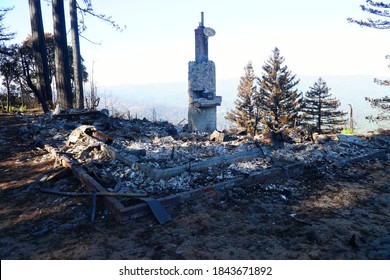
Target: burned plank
x=70 y=116
x=377 y=154
x=92 y=193
x=109 y=199
x=111 y=202
x=44 y=176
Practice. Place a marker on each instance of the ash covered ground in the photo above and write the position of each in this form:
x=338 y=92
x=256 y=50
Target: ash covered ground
x=336 y=208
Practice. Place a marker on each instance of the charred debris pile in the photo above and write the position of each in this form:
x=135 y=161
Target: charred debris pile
x=159 y=159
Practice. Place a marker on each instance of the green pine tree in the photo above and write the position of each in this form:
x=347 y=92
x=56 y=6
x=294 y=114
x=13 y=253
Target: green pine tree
x=244 y=115
x=383 y=106
x=381 y=12
x=5 y=35
x=279 y=102
x=321 y=110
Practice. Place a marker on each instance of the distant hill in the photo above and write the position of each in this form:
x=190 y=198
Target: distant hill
x=169 y=101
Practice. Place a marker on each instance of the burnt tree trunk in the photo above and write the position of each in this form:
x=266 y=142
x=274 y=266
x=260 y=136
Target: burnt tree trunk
x=40 y=53
x=64 y=90
x=7 y=85
x=38 y=94
x=77 y=68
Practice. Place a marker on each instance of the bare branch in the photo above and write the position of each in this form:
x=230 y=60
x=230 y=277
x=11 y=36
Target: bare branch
x=92 y=42
x=89 y=10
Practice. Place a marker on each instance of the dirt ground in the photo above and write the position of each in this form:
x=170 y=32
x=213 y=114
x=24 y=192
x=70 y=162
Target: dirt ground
x=343 y=214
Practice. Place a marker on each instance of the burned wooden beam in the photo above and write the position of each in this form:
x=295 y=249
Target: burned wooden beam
x=118 y=210
x=44 y=176
x=91 y=184
x=68 y=116
x=92 y=193
x=377 y=154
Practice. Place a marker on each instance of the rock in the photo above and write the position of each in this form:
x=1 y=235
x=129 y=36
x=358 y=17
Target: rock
x=217 y=136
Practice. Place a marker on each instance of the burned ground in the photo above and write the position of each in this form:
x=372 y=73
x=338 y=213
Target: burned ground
x=330 y=211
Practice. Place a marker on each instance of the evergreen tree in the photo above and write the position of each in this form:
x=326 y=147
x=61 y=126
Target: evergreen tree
x=279 y=102
x=8 y=71
x=383 y=105
x=4 y=34
x=244 y=115
x=321 y=110
x=379 y=9
x=27 y=52
x=382 y=11
x=29 y=69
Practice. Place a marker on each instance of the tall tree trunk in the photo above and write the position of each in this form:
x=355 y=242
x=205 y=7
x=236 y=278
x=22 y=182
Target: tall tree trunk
x=64 y=90
x=39 y=48
x=77 y=69
x=7 y=85
x=31 y=85
x=21 y=92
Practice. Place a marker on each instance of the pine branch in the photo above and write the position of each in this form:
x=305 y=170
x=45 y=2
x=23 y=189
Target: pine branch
x=380 y=13
x=5 y=35
x=382 y=82
x=378 y=24
x=378 y=4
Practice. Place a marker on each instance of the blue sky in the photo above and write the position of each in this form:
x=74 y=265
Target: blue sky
x=313 y=36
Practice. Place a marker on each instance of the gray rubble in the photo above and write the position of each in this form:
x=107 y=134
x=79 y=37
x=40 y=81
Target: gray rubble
x=157 y=146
